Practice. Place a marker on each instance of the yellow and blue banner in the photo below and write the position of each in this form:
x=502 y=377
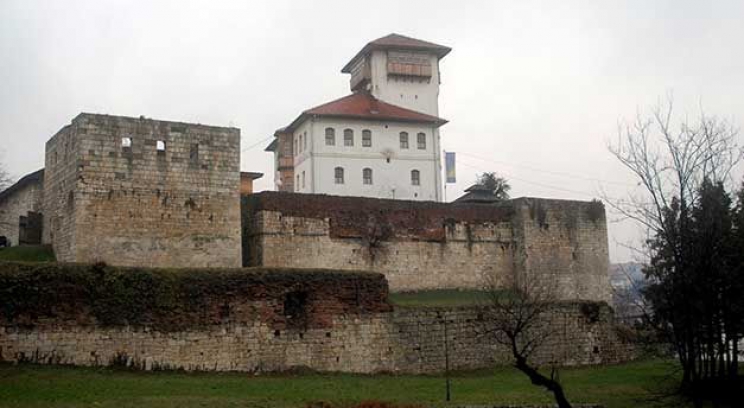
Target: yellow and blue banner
x=449 y=167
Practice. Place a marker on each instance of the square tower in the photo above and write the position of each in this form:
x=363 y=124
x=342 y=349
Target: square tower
x=399 y=70
x=143 y=192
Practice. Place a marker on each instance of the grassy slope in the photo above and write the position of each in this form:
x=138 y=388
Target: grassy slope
x=31 y=253
x=27 y=386
x=443 y=297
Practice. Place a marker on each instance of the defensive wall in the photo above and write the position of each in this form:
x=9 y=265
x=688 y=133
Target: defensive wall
x=137 y=191
x=428 y=245
x=262 y=319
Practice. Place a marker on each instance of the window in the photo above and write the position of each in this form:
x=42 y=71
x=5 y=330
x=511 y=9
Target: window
x=415 y=178
x=304 y=146
x=160 y=147
x=126 y=142
x=303 y=179
x=297 y=185
x=348 y=137
x=339 y=174
x=297 y=148
x=367 y=176
x=301 y=145
x=367 y=138
x=194 y=154
x=330 y=134
x=421 y=141
x=404 y=140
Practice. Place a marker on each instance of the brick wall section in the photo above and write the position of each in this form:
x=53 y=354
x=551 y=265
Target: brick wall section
x=427 y=245
x=405 y=341
x=25 y=196
x=140 y=206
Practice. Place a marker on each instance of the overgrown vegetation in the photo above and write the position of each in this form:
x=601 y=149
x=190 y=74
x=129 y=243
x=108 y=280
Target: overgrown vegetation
x=621 y=386
x=170 y=299
x=28 y=253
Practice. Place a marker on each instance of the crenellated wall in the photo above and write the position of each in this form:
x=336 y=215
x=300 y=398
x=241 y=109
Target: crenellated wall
x=427 y=245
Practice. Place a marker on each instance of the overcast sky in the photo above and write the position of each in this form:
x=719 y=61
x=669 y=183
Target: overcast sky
x=532 y=90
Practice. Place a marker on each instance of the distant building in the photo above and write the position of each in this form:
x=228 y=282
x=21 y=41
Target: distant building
x=246 y=181
x=21 y=210
x=380 y=141
x=478 y=193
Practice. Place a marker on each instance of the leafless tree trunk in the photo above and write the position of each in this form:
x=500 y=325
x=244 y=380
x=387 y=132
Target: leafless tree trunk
x=518 y=318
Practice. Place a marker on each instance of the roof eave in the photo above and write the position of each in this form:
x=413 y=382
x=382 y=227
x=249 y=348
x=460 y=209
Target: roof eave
x=300 y=119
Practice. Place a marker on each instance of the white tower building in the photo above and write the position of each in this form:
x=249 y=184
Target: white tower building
x=380 y=141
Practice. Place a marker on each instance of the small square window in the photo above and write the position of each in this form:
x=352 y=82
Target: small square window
x=160 y=146
x=126 y=142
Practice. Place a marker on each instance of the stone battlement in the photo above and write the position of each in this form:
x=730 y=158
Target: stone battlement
x=428 y=245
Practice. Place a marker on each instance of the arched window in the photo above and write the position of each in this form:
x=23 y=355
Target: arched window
x=367 y=176
x=339 y=174
x=415 y=178
x=367 y=138
x=330 y=134
x=404 y=140
x=421 y=141
x=348 y=137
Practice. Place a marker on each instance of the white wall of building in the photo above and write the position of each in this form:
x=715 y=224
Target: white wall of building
x=417 y=94
x=390 y=179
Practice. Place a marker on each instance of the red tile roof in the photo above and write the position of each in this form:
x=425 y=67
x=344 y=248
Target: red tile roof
x=398 y=42
x=362 y=105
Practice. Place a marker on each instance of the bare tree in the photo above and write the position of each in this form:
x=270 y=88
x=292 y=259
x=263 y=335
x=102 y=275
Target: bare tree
x=518 y=317
x=684 y=171
x=5 y=179
x=671 y=162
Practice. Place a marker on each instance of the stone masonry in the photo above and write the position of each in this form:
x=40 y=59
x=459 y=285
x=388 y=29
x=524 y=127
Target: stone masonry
x=406 y=341
x=137 y=191
x=427 y=245
x=277 y=320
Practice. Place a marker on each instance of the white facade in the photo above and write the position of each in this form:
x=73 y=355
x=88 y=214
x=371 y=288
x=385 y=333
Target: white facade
x=412 y=173
x=393 y=70
x=419 y=94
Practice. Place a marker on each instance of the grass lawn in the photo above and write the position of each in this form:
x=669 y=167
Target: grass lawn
x=443 y=297
x=30 y=253
x=33 y=386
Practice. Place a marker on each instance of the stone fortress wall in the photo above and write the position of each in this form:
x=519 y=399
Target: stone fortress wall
x=427 y=245
x=136 y=191
x=263 y=320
